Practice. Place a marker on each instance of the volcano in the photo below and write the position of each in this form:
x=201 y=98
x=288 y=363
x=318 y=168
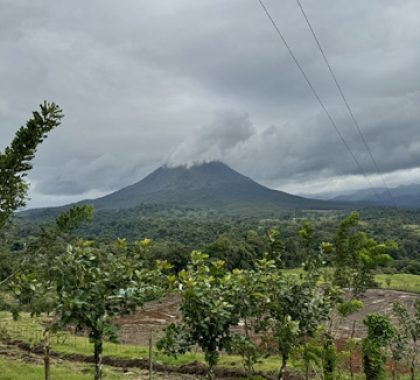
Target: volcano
x=211 y=185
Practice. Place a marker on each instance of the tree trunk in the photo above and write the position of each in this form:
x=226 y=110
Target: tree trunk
x=353 y=331
x=210 y=374
x=412 y=368
x=248 y=367
x=98 y=358
x=47 y=353
x=393 y=370
x=282 y=371
x=151 y=356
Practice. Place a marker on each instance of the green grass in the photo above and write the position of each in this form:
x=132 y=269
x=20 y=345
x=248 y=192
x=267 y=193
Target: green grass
x=29 y=330
x=413 y=228
x=17 y=370
x=400 y=281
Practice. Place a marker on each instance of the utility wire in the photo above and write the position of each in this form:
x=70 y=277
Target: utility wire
x=340 y=90
x=317 y=97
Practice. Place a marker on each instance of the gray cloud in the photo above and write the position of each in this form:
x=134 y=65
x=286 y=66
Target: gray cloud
x=142 y=83
x=215 y=141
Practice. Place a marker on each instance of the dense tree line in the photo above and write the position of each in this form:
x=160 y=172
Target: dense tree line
x=236 y=240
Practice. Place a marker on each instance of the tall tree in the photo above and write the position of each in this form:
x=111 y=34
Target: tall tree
x=380 y=333
x=409 y=331
x=357 y=255
x=15 y=161
x=32 y=284
x=208 y=312
x=94 y=286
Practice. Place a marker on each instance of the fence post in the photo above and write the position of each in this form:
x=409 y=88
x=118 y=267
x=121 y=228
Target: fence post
x=47 y=353
x=151 y=355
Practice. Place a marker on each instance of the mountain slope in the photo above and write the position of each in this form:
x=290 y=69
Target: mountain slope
x=208 y=185
x=403 y=196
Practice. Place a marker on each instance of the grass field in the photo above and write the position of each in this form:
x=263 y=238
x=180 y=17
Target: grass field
x=399 y=281
x=18 y=370
x=406 y=282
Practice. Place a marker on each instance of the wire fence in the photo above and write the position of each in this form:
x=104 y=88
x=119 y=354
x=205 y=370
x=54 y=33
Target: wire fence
x=129 y=335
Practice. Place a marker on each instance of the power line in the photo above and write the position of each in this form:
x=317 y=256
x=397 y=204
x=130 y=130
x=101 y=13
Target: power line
x=340 y=90
x=316 y=95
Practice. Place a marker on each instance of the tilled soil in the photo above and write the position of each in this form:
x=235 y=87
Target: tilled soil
x=375 y=301
x=156 y=315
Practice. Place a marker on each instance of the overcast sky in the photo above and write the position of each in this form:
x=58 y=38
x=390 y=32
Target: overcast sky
x=143 y=83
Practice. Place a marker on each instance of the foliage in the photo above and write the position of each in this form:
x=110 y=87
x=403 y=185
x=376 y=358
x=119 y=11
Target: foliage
x=31 y=285
x=177 y=231
x=248 y=289
x=87 y=288
x=296 y=306
x=247 y=349
x=16 y=159
x=408 y=332
x=311 y=353
x=93 y=287
x=357 y=255
x=73 y=218
x=328 y=358
x=207 y=310
x=349 y=307
x=380 y=333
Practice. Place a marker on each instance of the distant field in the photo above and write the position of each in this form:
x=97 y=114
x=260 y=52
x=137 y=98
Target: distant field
x=405 y=282
x=412 y=227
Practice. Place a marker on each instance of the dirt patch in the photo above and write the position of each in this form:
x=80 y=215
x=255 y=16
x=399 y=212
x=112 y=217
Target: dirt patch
x=156 y=315
x=375 y=301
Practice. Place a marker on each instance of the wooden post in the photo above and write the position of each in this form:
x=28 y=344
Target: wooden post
x=47 y=353
x=151 y=355
x=353 y=330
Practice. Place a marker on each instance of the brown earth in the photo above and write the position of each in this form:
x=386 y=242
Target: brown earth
x=375 y=301
x=156 y=315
